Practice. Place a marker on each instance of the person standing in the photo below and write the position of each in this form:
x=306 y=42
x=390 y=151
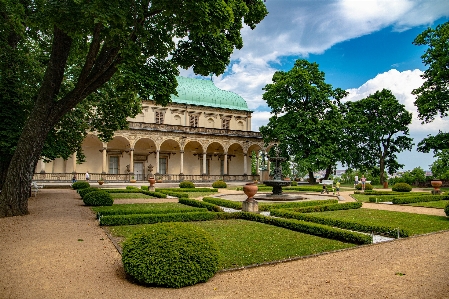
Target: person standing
x=337 y=187
x=87 y=176
x=363 y=182
x=356 y=180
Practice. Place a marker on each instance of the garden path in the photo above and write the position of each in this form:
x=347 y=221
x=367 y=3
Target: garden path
x=59 y=251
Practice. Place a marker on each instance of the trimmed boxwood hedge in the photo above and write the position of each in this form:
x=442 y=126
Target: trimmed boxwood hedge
x=186 y=190
x=98 y=198
x=85 y=191
x=446 y=209
x=224 y=202
x=367 y=186
x=330 y=207
x=299 y=204
x=187 y=184
x=200 y=204
x=171 y=255
x=219 y=184
x=343 y=224
x=143 y=209
x=315 y=229
x=80 y=185
x=150 y=193
x=422 y=198
x=134 y=219
x=401 y=187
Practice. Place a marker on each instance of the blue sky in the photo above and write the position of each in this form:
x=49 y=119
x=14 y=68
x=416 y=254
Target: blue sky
x=361 y=45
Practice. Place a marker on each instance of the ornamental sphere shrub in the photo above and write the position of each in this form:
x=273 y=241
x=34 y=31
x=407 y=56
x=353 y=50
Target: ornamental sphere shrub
x=98 y=198
x=80 y=185
x=367 y=186
x=171 y=255
x=85 y=191
x=219 y=184
x=186 y=184
x=401 y=187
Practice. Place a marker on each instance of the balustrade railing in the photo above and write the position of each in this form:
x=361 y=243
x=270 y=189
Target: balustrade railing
x=122 y=178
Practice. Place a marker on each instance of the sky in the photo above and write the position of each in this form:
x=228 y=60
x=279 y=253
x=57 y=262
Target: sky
x=361 y=45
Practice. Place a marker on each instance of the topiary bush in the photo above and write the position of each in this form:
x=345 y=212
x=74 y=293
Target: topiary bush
x=219 y=184
x=186 y=184
x=294 y=183
x=171 y=255
x=85 y=191
x=367 y=186
x=401 y=187
x=80 y=185
x=98 y=198
x=446 y=210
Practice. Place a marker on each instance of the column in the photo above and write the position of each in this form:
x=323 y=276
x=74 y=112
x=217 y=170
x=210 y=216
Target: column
x=204 y=162
x=103 y=166
x=74 y=162
x=182 y=163
x=245 y=166
x=157 y=161
x=131 y=162
x=257 y=163
x=225 y=164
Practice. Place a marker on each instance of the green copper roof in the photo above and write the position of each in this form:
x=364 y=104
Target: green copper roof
x=205 y=93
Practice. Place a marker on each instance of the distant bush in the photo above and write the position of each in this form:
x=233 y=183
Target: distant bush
x=171 y=255
x=132 y=188
x=144 y=188
x=80 y=185
x=446 y=209
x=186 y=184
x=219 y=184
x=367 y=186
x=294 y=183
x=98 y=198
x=401 y=187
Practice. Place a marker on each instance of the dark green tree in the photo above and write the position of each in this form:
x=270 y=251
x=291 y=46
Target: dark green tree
x=376 y=129
x=69 y=66
x=432 y=98
x=307 y=122
x=440 y=167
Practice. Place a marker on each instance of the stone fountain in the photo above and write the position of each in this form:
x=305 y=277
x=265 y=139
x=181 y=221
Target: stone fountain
x=277 y=182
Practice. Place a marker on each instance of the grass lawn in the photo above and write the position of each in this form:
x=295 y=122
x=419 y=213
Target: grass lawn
x=415 y=224
x=200 y=194
x=144 y=208
x=245 y=243
x=440 y=204
x=129 y=195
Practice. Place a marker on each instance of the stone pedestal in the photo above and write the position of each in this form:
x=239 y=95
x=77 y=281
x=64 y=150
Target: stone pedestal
x=250 y=205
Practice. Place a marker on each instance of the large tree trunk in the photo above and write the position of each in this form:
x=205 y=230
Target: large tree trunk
x=311 y=177
x=328 y=172
x=382 y=169
x=16 y=187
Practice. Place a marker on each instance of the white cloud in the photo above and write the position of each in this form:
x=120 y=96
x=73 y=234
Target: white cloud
x=401 y=85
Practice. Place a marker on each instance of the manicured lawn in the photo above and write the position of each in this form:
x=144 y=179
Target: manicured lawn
x=415 y=224
x=143 y=208
x=245 y=242
x=200 y=194
x=440 y=204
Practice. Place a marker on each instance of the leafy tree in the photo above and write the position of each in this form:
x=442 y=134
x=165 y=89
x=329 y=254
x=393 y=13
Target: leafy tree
x=440 y=167
x=68 y=66
x=432 y=98
x=306 y=121
x=377 y=128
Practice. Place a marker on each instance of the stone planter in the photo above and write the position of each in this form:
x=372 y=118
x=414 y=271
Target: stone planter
x=250 y=189
x=100 y=183
x=436 y=187
x=132 y=181
x=152 y=181
x=385 y=185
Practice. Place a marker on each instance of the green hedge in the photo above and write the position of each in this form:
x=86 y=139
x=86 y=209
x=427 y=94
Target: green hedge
x=330 y=207
x=343 y=224
x=80 y=185
x=171 y=255
x=163 y=190
x=422 y=198
x=224 y=202
x=446 y=209
x=85 y=191
x=315 y=229
x=150 y=193
x=187 y=184
x=143 y=209
x=134 y=219
x=200 y=204
x=219 y=184
x=401 y=187
x=367 y=186
x=98 y=198
x=296 y=204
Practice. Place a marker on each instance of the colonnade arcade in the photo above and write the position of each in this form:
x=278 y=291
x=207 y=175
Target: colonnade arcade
x=166 y=155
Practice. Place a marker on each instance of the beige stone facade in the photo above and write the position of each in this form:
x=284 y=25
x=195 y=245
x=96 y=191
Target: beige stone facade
x=181 y=141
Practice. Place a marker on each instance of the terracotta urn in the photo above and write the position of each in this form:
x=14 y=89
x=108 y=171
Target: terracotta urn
x=250 y=189
x=436 y=186
x=100 y=183
x=151 y=181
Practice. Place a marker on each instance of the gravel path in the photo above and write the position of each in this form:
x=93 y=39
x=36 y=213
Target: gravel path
x=59 y=251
